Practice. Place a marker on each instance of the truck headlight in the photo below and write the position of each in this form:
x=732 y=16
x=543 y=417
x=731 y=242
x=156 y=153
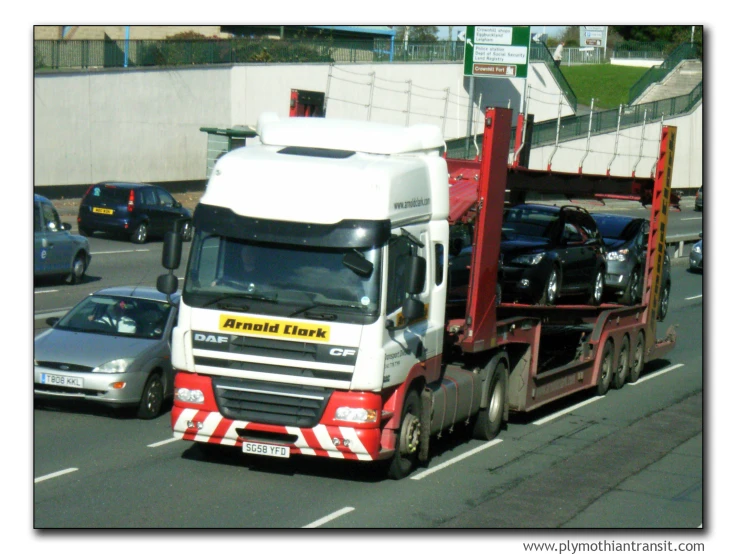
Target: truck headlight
x=529 y=259
x=356 y=415
x=193 y=396
x=617 y=255
x=114 y=366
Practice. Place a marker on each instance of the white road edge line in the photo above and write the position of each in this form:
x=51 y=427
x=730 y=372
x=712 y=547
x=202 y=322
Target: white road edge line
x=44 y=291
x=55 y=474
x=162 y=443
x=551 y=417
x=694 y=297
x=691 y=218
x=438 y=467
x=657 y=374
x=327 y=518
x=120 y=251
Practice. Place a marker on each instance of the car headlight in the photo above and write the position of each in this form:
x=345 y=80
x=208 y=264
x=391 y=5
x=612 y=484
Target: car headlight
x=697 y=249
x=529 y=259
x=115 y=366
x=617 y=255
x=193 y=396
x=356 y=415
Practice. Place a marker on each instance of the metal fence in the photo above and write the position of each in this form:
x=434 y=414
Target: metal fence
x=576 y=127
x=686 y=51
x=632 y=50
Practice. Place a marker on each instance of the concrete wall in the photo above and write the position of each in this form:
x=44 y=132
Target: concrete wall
x=632 y=152
x=143 y=124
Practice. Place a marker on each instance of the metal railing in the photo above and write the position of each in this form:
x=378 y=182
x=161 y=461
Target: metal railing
x=686 y=51
x=540 y=53
x=575 y=127
x=641 y=50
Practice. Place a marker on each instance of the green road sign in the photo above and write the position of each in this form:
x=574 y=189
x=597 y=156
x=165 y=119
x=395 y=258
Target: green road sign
x=496 y=52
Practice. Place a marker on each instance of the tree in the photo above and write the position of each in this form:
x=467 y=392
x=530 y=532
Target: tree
x=419 y=33
x=659 y=33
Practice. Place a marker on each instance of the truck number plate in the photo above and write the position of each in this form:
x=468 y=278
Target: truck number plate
x=102 y=211
x=266 y=449
x=62 y=380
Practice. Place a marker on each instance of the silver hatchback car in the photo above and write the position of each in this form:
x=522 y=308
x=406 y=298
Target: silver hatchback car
x=113 y=348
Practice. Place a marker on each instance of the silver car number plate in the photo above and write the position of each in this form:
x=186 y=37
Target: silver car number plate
x=62 y=380
x=275 y=451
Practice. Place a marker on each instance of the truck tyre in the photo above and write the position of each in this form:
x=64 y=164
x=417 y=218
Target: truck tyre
x=552 y=288
x=408 y=439
x=488 y=421
x=152 y=398
x=597 y=288
x=606 y=367
x=638 y=358
x=631 y=293
x=623 y=364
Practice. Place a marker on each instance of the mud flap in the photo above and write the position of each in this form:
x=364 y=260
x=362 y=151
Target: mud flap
x=425 y=413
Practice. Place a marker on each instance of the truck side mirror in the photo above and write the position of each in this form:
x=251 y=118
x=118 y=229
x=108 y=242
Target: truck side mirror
x=412 y=309
x=167 y=284
x=171 y=254
x=417 y=274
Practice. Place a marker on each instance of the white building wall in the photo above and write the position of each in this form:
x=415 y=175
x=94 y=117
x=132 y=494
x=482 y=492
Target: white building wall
x=144 y=125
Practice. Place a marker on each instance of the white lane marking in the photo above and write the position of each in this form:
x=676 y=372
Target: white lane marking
x=45 y=315
x=120 y=251
x=161 y=443
x=694 y=297
x=330 y=517
x=438 y=467
x=690 y=218
x=44 y=291
x=551 y=417
x=657 y=374
x=180 y=278
x=55 y=474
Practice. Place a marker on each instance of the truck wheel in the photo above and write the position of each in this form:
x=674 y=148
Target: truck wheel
x=551 y=290
x=605 y=369
x=638 y=361
x=488 y=422
x=408 y=439
x=623 y=364
x=152 y=398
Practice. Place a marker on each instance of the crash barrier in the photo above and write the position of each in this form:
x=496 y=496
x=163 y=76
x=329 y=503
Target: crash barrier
x=678 y=242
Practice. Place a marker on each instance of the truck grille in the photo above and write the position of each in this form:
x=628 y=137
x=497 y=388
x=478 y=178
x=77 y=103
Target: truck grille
x=270 y=403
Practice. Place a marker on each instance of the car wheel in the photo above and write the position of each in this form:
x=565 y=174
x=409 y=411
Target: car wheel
x=152 y=398
x=605 y=369
x=664 y=298
x=140 y=234
x=623 y=364
x=78 y=269
x=551 y=290
x=632 y=292
x=638 y=358
x=488 y=421
x=407 y=445
x=597 y=289
x=187 y=232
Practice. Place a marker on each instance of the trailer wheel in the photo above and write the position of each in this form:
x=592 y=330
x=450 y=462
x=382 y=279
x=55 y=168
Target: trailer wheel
x=408 y=439
x=623 y=364
x=605 y=369
x=638 y=361
x=488 y=421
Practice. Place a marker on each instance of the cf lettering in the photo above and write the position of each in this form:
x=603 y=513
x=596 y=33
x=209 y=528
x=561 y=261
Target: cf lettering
x=342 y=352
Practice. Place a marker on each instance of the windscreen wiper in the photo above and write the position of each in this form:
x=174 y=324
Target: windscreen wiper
x=229 y=301
x=322 y=315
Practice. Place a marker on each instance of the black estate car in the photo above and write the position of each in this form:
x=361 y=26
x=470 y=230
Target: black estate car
x=137 y=210
x=550 y=251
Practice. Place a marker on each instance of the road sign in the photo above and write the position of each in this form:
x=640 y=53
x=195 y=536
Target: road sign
x=496 y=52
x=593 y=35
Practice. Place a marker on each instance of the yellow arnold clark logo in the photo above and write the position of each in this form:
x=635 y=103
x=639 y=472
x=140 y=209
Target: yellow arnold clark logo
x=261 y=327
